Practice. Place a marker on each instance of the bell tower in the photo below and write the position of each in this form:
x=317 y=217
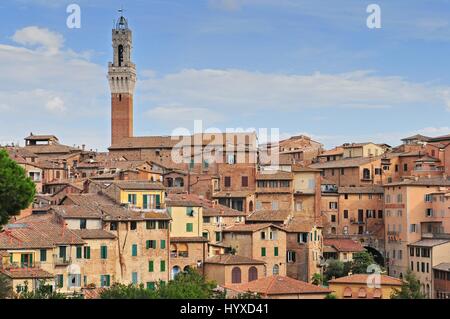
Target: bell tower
x=122 y=81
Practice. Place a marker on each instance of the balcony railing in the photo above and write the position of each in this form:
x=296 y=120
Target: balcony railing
x=180 y=254
x=62 y=261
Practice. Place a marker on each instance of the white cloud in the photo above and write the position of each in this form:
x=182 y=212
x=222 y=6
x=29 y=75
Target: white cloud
x=226 y=91
x=184 y=116
x=43 y=39
x=55 y=104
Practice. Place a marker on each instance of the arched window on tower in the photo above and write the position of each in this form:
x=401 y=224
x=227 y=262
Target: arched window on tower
x=120 y=55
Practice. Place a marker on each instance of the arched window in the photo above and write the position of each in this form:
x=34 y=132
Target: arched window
x=250 y=206
x=252 y=274
x=347 y=292
x=175 y=271
x=276 y=270
x=186 y=268
x=120 y=55
x=362 y=293
x=333 y=230
x=236 y=275
x=377 y=293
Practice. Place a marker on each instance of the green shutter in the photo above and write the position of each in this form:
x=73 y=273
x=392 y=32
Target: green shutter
x=163 y=265
x=151 y=266
x=43 y=255
x=134 y=250
x=151 y=285
x=163 y=244
x=158 y=201
x=104 y=252
x=147 y=244
x=189 y=227
x=79 y=252
x=87 y=252
x=263 y=252
x=275 y=251
x=145 y=202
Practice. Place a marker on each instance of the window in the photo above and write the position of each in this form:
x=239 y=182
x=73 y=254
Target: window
x=263 y=235
x=151 y=266
x=399 y=198
x=345 y=196
x=429 y=212
x=163 y=225
x=105 y=280
x=103 y=252
x=162 y=265
x=150 y=224
x=396 y=167
x=189 y=227
x=342 y=171
x=113 y=226
x=252 y=274
x=345 y=214
x=151 y=285
x=74 y=280
x=276 y=270
x=231 y=159
x=428 y=198
x=291 y=256
x=132 y=199
x=82 y=223
x=275 y=251
x=405 y=167
x=412 y=228
x=388 y=198
x=134 y=278
x=133 y=226
x=190 y=211
x=150 y=244
x=244 y=181
x=236 y=275
x=163 y=244
x=79 y=252
x=134 y=250
x=227 y=181
x=333 y=218
x=333 y=205
x=59 y=281
x=411 y=251
x=206 y=220
x=302 y=238
x=263 y=252
x=380 y=214
x=43 y=254
x=87 y=252
x=275 y=205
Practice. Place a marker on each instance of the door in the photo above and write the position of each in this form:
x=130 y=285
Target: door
x=360 y=215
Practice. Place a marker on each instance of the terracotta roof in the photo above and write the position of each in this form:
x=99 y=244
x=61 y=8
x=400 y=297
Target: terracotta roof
x=278 y=285
x=233 y=260
x=188 y=240
x=251 y=228
x=351 y=145
x=37 y=232
x=300 y=168
x=94 y=234
x=52 y=149
x=26 y=273
x=232 y=194
x=210 y=209
x=274 y=175
x=424 y=181
x=269 y=216
x=361 y=190
x=75 y=212
x=139 y=185
x=430 y=242
x=40 y=137
x=346 y=162
x=343 y=244
x=92 y=293
x=299 y=224
x=118 y=213
x=443 y=267
x=440 y=138
x=335 y=151
x=362 y=279
x=427 y=159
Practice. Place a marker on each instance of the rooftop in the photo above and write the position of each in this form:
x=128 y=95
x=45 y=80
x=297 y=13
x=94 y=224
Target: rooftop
x=343 y=244
x=278 y=285
x=363 y=279
x=233 y=260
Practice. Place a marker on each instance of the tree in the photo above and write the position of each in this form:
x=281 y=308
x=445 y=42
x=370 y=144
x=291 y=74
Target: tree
x=361 y=261
x=330 y=296
x=317 y=279
x=188 y=285
x=16 y=189
x=121 y=291
x=410 y=288
x=5 y=287
x=44 y=291
x=334 y=268
x=248 y=295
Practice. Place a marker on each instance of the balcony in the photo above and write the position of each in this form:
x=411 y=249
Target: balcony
x=179 y=254
x=61 y=261
x=356 y=221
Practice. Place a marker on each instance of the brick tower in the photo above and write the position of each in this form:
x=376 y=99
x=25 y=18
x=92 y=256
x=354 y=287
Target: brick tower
x=122 y=81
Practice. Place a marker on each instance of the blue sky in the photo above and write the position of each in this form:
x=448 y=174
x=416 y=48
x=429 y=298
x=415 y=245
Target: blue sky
x=303 y=66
